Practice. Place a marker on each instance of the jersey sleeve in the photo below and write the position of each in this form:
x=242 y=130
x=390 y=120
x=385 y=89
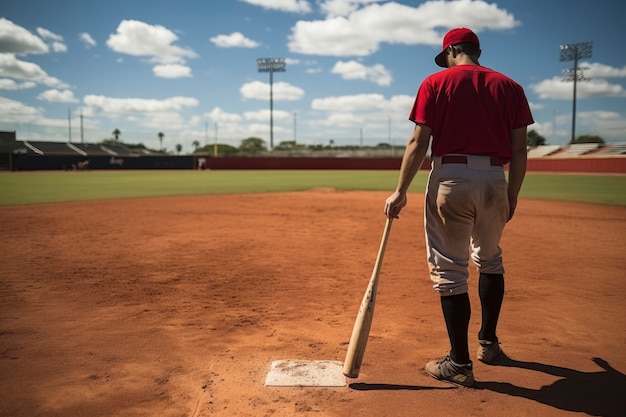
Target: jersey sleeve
x=423 y=111
x=523 y=116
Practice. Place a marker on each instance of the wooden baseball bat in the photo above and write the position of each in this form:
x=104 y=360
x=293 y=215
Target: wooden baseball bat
x=361 y=330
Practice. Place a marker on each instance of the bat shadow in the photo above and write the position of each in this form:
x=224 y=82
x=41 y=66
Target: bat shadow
x=593 y=393
x=362 y=386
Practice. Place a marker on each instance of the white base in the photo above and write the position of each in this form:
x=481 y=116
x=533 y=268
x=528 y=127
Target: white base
x=298 y=373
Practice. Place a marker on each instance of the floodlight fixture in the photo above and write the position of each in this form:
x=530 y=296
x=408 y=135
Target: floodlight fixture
x=271 y=65
x=574 y=52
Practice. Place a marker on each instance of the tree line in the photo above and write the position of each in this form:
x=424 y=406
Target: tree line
x=255 y=145
x=534 y=139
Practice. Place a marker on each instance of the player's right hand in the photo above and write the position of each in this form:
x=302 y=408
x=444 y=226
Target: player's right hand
x=394 y=204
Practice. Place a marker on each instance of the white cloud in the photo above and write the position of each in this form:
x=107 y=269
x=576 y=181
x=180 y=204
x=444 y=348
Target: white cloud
x=48 y=35
x=86 y=39
x=153 y=41
x=358 y=102
x=234 y=40
x=159 y=121
x=597 y=70
x=294 y=6
x=12 y=67
x=362 y=31
x=343 y=7
x=370 y=111
x=102 y=105
x=172 y=71
x=219 y=115
x=56 y=40
x=58 y=96
x=16 y=111
x=261 y=91
x=606 y=124
x=165 y=114
x=556 y=88
x=264 y=115
x=17 y=40
x=342 y=120
x=59 y=47
x=353 y=70
x=601 y=116
x=6 y=84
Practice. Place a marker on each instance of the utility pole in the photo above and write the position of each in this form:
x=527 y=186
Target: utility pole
x=69 y=125
x=574 y=52
x=215 y=142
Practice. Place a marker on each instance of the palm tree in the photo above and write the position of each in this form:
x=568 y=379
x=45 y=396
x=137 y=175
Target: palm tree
x=160 y=135
x=179 y=148
x=195 y=145
x=116 y=134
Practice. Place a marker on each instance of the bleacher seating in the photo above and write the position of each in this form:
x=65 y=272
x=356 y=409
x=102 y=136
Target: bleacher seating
x=50 y=148
x=580 y=149
x=92 y=149
x=616 y=149
x=118 y=149
x=543 y=150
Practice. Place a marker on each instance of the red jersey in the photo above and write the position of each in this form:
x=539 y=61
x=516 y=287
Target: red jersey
x=471 y=110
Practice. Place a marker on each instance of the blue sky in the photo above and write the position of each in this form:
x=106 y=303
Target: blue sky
x=189 y=68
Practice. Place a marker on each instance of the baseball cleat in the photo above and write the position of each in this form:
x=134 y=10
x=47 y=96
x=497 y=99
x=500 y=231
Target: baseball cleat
x=450 y=371
x=488 y=351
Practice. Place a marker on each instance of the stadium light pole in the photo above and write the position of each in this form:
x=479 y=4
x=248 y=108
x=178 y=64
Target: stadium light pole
x=271 y=65
x=574 y=52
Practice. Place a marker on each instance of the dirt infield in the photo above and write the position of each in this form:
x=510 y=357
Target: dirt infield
x=177 y=306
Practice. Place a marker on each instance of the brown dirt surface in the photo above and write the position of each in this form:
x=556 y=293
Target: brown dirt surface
x=177 y=306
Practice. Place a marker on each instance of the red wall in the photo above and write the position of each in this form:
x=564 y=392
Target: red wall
x=304 y=163
x=599 y=165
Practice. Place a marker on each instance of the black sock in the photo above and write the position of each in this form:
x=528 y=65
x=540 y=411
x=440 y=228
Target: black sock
x=491 y=293
x=457 y=312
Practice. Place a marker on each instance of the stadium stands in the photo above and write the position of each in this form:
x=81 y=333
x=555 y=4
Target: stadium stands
x=91 y=149
x=616 y=149
x=543 y=150
x=51 y=148
x=117 y=149
x=580 y=149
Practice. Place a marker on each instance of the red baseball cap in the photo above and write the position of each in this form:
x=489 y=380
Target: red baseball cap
x=454 y=36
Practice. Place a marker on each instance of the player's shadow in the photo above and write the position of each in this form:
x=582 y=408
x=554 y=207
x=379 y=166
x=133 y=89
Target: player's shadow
x=594 y=393
x=362 y=386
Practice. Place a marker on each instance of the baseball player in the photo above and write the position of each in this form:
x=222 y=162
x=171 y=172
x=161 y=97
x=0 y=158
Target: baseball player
x=477 y=118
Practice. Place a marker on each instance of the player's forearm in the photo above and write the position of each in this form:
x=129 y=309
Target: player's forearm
x=517 y=166
x=413 y=157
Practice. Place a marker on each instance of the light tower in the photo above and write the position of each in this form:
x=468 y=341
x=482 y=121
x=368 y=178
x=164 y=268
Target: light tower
x=574 y=52
x=271 y=65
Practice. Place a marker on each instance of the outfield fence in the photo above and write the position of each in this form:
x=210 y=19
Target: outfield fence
x=28 y=162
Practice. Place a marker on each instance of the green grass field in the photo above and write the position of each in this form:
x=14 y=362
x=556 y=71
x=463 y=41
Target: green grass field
x=46 y=187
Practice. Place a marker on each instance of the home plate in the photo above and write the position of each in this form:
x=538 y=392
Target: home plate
x=293 y=373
